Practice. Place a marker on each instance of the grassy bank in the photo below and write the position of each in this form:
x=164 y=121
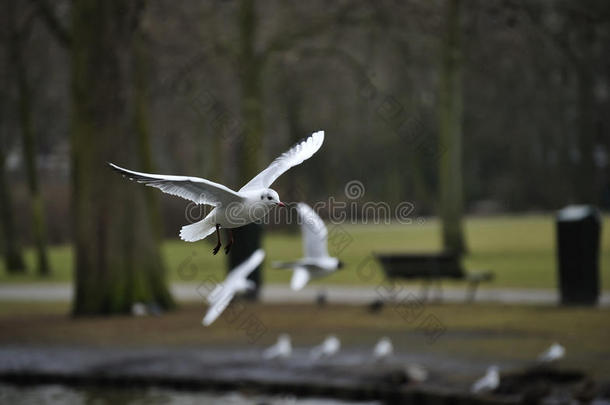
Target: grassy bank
x=519 y=249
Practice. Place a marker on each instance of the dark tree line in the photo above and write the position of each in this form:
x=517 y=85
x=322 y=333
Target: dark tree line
x=475 y=106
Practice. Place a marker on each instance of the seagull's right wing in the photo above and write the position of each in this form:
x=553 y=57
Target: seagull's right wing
x=295 y=156
x=246 y=267
x=314 y=232
x=217 y=307
x=300 y=277
x=196 y=189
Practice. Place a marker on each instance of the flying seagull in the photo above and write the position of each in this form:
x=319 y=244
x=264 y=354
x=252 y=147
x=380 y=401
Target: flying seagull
x=283 y=348
x=232 y=209
x=489 y=382
x=329 y=347
x=317 y=262
x=552 y=354
x=237 y=281
x=383 y=349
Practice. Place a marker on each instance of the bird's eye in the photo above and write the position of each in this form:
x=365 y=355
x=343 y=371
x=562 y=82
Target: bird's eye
x=269 y=198
x=262 y=197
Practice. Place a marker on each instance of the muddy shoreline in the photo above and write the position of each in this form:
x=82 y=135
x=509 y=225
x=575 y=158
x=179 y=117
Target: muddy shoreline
x=346 y=378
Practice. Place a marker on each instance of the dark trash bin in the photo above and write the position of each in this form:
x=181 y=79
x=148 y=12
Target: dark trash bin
x=578 y=240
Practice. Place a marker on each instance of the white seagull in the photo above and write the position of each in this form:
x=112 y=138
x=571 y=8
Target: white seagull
x=416 y=373
x=489 y=382
x=237 y=281
x=553 y=353
x=329 y=347
x=383 y=349
x=232 y=209
x=317 y=262
x=281 y=349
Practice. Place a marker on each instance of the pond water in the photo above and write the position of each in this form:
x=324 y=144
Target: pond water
x=58 y=394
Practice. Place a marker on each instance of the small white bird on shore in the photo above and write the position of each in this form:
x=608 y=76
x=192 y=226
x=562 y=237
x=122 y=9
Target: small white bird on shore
x=281 y=349
x=139 y=309
x=232 y=209
x=552 y=354
x=489 y=382
x=416 y=373
x=383 y=349
x=317 y=262
x=236 y=282
x=329 y=347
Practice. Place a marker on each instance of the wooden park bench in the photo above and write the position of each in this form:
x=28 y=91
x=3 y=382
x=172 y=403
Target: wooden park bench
x=431 y=267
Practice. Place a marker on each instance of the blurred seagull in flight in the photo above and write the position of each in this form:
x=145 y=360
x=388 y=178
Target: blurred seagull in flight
x=329 y=347
x=281 y=349
x=553 y=353
x=383 y=349
x=317 y=262
x=232 y=209
x=236 y=282
x=489 y=382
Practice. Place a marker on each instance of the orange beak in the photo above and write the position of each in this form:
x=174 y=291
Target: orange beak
x=281 y=204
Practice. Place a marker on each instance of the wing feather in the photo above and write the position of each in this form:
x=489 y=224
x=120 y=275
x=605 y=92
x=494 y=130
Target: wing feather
x=314 y=232
x=196 y=189
x=300 y=277
x=217 y=308
x=294 y=156
x=243 y=270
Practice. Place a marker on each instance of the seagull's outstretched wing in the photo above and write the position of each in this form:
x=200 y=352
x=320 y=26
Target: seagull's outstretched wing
x=314 y=232
x=217 y=307
x=215 y=294
x=198 y=190
x=300 y=277
x=246 y=267
x=295 y=156
x=242 y=271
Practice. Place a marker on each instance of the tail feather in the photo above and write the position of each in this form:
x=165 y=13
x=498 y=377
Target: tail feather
x=197 y=231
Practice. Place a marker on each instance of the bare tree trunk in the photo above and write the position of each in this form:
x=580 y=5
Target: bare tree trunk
x=248 y=238
x=140 y=77
x=29 y=146
x=587 y=183
x=117 y=253
x=9 y=237
x=450 y=131
x=12 y=250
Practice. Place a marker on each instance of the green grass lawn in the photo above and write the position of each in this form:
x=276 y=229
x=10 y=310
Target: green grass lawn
x=520 y=250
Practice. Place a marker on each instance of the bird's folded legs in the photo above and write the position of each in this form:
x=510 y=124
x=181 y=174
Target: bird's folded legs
x=218 y=245
x=231 y=240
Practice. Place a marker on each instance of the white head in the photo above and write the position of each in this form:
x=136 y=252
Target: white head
x=270 y=197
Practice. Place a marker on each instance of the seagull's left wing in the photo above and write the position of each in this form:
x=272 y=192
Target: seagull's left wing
x=295 y=156
x=314 y=232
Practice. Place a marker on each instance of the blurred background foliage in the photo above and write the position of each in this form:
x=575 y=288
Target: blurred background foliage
x=536 y=101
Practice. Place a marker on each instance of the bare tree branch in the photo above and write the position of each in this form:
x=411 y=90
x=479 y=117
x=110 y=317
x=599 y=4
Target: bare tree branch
x=52 y=22
x=285 y=41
